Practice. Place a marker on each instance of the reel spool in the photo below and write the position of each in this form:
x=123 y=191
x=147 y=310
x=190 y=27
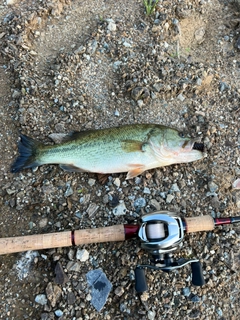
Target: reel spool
x=161 y=233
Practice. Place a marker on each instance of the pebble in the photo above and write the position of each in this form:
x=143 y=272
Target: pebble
x=69 y=190
x=199 y=34
x=60 y=275
x=120 y=209
x=181 y=97
x=146 y=190
x=237 y=200
x=91 y=182
x=58 y=313
x=154 y=203
x=158 y=86
x=100 y=288
x=119 y=291
x=175 y=188
x=117 y=182
x=237 y=44
x=41 y=299
x=213 y=187
x=73 y=266
x=71 y=298
x=139 y=203
x=151 y=315
x=53 y=293
x=112 y=26
x=92 y=209
x=186 y=292
x=169 y=198
x=82 y=255
x=195 y=299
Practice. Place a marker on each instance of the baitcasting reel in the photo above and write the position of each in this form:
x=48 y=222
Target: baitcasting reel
x=161 y=233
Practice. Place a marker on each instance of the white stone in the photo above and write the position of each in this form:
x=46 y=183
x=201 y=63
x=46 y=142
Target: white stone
x=120 y=209
x=82 y=255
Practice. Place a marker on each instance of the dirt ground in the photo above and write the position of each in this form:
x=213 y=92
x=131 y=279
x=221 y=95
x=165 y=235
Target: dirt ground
x=75 y=65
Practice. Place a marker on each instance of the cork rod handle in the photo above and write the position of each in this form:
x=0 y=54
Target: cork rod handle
x=61 y=239
x=202 y=223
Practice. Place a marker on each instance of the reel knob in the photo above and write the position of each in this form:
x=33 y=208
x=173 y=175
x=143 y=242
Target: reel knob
x=197 y=274
x=140 y=280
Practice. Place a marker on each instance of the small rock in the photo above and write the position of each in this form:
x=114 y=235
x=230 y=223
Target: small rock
x=69 y=190
x=41 y=299
x=92 y=209
x=169 y=198
x=43 y=223
x=140 y=93
x=73 y=266
x=154 y=204
x=58 y=313
x=60 y=275
x=158 y=86
x=117 y=182
x=140 y=103
x=116 y=65
x=82 y=255
x=199 y=35
x=236 y=184
x=53 y=293
x=112 y=26
x=70 y=254
x=127 y=44
x=223 y=86
x=116 y=113
x=71 y=298
x=146 y=190
x=120 y=209
x=119 y=291
x=186 y=292
x=195 y=299
x=151 y=315
x=139 y=203
x=16 y=94
x=237 y=200
x=91 y=182
x=100 y=288
x=181 y=97
x=237 y=44
x=175 y=187
x=213 y=187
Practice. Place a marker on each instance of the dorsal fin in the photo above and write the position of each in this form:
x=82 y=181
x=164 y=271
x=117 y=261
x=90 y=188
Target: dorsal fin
x=74 y=135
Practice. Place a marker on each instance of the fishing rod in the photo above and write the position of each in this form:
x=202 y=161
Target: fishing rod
x=160 y=233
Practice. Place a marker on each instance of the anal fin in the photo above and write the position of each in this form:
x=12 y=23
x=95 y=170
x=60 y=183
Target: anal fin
x=71 y=168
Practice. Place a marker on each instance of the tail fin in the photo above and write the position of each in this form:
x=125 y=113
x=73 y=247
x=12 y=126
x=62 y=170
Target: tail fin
x=27 y=148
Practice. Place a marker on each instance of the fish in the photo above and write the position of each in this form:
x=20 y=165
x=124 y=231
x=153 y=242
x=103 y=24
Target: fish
x=132 y=148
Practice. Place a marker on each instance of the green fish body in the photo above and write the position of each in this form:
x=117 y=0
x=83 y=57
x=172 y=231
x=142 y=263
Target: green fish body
x=129 y=148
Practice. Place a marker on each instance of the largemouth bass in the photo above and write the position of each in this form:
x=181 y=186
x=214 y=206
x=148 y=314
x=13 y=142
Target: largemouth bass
x=129 y=148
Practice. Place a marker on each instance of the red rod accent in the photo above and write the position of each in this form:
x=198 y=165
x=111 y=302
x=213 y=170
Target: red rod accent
x=220 y=221
x=73 y=238
x=131 y=230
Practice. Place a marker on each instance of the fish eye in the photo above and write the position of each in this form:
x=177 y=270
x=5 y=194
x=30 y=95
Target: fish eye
x=181 y=135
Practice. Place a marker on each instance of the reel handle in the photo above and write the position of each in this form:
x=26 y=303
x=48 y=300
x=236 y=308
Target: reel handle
x=140 y=280
x=197 y=274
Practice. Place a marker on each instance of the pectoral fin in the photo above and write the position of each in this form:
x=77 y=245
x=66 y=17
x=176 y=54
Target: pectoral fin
x=135 y=171
x=71 y=168
x=133 y=145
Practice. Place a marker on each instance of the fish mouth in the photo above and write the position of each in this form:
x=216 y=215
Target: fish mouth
x=198 y=146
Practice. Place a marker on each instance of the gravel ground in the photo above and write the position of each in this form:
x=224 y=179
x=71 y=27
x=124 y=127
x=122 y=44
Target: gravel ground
x=72 y=65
